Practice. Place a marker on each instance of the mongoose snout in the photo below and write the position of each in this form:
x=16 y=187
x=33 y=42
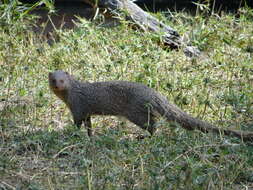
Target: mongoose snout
x=58 y=81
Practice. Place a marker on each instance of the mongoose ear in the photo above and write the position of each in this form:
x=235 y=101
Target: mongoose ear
x=66 y=72
x=50 y=74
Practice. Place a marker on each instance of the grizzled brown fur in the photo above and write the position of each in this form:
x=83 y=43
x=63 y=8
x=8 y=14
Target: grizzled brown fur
x=134 y=101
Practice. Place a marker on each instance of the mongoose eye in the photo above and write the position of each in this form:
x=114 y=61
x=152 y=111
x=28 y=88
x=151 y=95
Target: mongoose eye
x=61 y=81
x=54 y=81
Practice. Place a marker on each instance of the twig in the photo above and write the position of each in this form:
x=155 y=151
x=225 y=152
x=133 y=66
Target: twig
x=71 y=146
x=70 y=173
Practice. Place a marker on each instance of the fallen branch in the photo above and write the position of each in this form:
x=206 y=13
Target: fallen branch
x=146 y=22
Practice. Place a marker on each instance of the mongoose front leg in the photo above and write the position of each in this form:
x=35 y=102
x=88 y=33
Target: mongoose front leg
x=78 y=116
x=78 y=122
x=87 y=123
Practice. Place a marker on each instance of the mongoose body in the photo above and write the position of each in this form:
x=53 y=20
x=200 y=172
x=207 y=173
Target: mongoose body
x=134 y=101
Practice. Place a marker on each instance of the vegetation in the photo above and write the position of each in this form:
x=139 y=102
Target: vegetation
x=41 y=149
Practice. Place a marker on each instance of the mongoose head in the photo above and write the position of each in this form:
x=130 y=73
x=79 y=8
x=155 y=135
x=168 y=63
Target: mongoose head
x=59 y=81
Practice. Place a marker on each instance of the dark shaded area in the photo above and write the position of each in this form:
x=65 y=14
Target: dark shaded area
x=188 y=5
x=67 y=10
x=65 y=16
x=159 y=5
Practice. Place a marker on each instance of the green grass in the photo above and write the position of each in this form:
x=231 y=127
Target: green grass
x=41 y=149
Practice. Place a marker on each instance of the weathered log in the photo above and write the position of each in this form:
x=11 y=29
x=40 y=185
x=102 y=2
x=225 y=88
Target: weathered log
x=146 y=22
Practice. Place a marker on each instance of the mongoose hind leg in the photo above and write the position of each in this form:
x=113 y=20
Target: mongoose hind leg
x=145 y=121
x=87 y=124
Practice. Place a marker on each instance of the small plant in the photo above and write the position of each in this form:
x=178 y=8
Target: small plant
x=14 y=10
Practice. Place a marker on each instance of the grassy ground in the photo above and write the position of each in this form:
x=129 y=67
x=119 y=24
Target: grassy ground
x=41 y=149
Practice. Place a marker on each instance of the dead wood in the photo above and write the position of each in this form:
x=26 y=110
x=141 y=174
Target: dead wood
x=146 y=22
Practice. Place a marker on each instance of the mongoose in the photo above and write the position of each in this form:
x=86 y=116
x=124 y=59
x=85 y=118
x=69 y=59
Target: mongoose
x=134 y=101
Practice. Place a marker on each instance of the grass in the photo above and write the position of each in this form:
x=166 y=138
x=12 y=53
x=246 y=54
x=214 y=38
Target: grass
x=41 y=149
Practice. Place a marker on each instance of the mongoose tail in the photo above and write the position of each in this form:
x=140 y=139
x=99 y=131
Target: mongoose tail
x=173 y=113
